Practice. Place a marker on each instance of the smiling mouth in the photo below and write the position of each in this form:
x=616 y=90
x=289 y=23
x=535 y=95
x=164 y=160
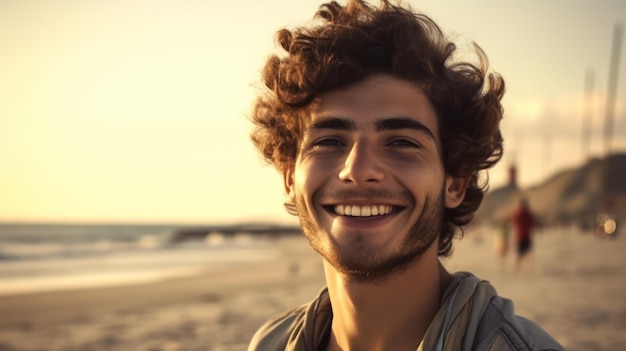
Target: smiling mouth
x=363 y=211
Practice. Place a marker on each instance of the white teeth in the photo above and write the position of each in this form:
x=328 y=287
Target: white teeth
x=374 y=210
x=366 y=211
x=362 y=211
x=355 y=211
x=340 y=210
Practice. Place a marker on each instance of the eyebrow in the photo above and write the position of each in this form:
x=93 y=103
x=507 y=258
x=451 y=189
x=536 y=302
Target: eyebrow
x=332 y=123
x=384 y=124
x=401 y=123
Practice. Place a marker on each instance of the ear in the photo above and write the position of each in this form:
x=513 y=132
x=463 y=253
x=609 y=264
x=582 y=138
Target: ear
x=454 y=191
x=289 y=186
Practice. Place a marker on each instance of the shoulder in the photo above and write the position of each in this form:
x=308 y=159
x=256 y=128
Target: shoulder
x=274 y=334
x=297 y=329
x=501 y=329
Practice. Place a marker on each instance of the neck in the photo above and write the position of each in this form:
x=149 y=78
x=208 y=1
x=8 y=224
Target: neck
x=393 y=314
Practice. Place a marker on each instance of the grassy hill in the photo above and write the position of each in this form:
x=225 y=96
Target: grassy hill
x=571 y=196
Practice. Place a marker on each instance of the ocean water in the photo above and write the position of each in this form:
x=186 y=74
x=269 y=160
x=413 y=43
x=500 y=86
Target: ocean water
x=40 y=257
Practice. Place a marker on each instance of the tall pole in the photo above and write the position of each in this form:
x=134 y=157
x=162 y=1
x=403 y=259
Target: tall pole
x=587 y=114
x=612 y=89
x=609 y=115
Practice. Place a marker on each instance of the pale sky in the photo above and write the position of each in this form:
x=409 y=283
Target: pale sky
x=137 y=111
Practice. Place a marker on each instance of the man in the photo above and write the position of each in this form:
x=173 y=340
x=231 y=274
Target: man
x=380 y=138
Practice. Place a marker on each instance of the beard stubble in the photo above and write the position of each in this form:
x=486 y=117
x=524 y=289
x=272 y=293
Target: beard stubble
x=361 y=265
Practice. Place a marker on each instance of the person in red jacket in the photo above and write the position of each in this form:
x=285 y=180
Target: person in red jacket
x=523 y=224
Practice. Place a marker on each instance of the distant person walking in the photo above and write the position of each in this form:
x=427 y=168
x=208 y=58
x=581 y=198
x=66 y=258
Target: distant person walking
x=523 y=223
x=501 y=238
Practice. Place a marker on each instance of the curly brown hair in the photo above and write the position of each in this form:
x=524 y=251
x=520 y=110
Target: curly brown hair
x=348 y=43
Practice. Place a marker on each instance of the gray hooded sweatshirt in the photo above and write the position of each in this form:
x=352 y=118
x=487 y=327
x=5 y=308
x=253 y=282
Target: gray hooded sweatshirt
x=472 y=317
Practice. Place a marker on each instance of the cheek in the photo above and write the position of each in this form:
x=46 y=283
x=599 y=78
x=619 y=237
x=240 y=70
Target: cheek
x=420 y=171
x=309 y=177
x=422 y=180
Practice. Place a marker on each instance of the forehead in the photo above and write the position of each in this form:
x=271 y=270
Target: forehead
x=378 y=97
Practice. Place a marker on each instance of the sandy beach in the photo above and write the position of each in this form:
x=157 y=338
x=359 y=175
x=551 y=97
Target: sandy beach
x=574 y=289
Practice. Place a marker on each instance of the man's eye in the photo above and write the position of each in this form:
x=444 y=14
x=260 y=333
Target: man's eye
x=403 y=143
x=328 y=142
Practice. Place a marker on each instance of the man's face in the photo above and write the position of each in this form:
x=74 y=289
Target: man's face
x=368 y=183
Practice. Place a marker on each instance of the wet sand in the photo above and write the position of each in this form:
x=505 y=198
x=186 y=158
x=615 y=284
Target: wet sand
x=574 y=289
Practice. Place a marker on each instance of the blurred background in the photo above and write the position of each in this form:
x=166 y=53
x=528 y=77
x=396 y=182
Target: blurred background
x=137 y=111
x=125 y=153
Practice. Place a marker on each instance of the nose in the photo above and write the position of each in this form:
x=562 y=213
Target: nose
x=362 y=165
